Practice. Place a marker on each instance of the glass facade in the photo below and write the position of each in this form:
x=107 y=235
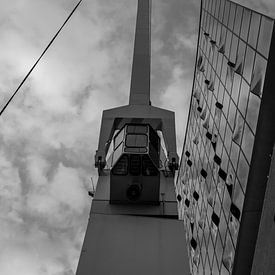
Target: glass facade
x=232 y=55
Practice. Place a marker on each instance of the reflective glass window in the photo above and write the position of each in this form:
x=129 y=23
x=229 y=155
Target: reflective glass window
x=243 y=170
x=258 y=76
x=253 y=111
x=226 y=101
x=139 y=129
x=265 y=36
x=234 y=154
x=254 y=29
x=133 y=140
x=236 y=88
x=245 y=24
x=228 y=43
x=240 y=58
x=221 y=10
x=231 y=15
x=249 y=59
x=244 y=93
x=238 y=19
x=226 y=12
x=118 y=138
x=247 y=142
x=233 y=50
x=232 y=114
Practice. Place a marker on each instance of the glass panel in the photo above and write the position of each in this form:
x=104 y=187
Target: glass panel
x=249 y=58
x=138 y=129
x=233 y=51
x=221 y=10
x=238 y=19
x=247 y=142
x=238 y=197
x=226 y=12
x=254 y=29
x=258 y=76
x=228 y=43
x=118 y=138
x=121 y=167
x=243 y=170
x=136 y=140
x=245 y=24
x=242 y=104
x=236 y=88
x=238 y=129
x=234 y=154
x=232 y=15
x=265 y=36
x=240 y=58
x=253 y=111
x=232 y=114
x=228 y=255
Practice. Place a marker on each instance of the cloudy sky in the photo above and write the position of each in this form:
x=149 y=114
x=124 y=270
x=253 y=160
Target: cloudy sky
x=49 y=134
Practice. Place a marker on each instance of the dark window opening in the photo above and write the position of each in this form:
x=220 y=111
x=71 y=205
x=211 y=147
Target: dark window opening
x=121 y=167
x=148 y=168
x=135 y=165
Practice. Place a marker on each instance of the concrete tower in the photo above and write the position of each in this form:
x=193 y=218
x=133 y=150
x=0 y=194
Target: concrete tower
x=133 y=226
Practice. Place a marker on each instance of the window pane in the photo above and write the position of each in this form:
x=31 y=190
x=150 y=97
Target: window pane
x=247 y=142
x=232 y=16
x=238 y=19
x=254 y=29
x=139 y=129
x=221 y=10
x=136 y=140
x=242 y=104
x=253 y=111
x=249 y=58
x=242 y=172
x=119 y=138
x=258 y=76
x=245 y=24
x=121 y=167
x=226 y=12
x=265 y=36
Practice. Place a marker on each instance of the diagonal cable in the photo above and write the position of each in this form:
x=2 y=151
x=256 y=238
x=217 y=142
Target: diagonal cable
x=48 y=46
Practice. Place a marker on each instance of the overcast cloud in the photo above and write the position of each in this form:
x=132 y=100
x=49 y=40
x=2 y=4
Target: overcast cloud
x=50 y=131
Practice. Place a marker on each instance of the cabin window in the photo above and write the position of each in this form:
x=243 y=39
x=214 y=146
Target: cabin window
x=136 y=140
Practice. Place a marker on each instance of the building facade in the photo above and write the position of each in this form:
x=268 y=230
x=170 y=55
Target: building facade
x=229 y=138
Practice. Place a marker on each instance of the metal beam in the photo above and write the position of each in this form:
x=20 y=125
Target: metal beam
x=140 y=81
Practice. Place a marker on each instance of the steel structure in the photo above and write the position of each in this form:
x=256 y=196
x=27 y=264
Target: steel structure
x=133 y=226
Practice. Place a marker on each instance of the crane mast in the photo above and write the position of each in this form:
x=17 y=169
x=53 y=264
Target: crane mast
x=133 y=226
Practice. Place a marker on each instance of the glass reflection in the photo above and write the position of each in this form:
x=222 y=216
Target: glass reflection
x=247 y=142
x=265 y=36
x=249 y=59
x=258 y=76
x=245 y=23
x=253 y=111
x=254 y=29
